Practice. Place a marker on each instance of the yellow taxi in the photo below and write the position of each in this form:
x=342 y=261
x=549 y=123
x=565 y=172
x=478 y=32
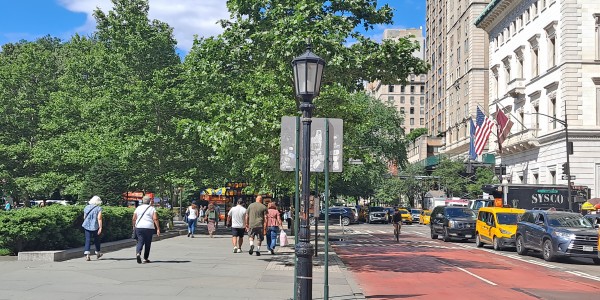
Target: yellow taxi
x=425 y=217
x=497 y=226
x=406 y=217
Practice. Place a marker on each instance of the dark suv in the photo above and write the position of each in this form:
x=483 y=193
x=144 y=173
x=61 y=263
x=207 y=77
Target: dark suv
x=557 y=233
x=452 y=222
x=345 y=215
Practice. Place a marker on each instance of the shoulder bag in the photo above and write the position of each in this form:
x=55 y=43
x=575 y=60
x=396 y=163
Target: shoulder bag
x=133 y=234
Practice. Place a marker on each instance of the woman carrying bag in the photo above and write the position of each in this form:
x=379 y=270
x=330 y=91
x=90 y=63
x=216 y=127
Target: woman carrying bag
x=145 y=221
x=212 y=217
x=92 y=224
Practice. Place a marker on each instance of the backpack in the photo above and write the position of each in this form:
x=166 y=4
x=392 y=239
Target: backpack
x=211 y=215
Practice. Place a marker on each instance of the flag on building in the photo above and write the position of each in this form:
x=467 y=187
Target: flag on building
x=472 y=153
x=482 y=134
x=504 y=126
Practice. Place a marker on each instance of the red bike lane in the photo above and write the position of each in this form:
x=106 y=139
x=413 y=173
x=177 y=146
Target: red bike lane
x=422 y=268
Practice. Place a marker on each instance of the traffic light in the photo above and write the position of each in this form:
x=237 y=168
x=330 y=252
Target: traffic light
x=565 y=168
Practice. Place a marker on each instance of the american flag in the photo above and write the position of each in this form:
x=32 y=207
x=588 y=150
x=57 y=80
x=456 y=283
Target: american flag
x=482 y=133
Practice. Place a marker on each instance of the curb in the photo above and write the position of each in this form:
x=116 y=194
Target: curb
x=62 y=255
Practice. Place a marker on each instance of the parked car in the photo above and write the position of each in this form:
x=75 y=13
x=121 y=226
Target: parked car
x=406 y=216
x=345 y=215
x=557 y=234
x=377 y=214
x=594 y=219
x=415 y=213
x=425 y=217
x=497 y=226
x=452 y=222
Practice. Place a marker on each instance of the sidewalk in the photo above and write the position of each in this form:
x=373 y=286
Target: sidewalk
x=182 y=268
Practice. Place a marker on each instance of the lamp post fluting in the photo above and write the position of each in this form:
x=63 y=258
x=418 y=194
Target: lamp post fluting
x=308 y=70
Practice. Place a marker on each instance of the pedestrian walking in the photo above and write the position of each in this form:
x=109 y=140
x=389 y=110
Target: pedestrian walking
x=235 y=217
x=92 y=224
x=192 y=217
x=211 y=219
x=290 y=218
x=145 y=221
x=7 y=205
x=273 y=225
x=256 y=224
x=202 y=210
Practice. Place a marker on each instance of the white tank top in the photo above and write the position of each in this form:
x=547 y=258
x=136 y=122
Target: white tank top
x=192 y=212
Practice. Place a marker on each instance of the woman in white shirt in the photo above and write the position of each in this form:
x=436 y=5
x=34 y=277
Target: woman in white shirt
x=192 y=217
x=145 y=221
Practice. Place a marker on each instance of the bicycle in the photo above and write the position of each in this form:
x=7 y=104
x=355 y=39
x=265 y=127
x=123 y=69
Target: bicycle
x=397 y=227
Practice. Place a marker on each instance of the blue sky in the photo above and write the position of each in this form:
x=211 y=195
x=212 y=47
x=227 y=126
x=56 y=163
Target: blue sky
x=31 y=19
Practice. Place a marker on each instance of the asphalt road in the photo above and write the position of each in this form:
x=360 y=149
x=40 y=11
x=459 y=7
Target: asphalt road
x=422 y=268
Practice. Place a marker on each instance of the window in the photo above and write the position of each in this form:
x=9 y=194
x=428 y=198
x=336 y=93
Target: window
x=412 y=100
x=390 y=88
x=597 y=35
x=519 y=64
x=402 y=88
x=552 y=109
x=466 y=88
x=412 y=89
x=466 y=108
x=402 y=110
x=551 y=33
x=422 y=89
x=536 y=117
x=390 y=100
x=553 y=176
x=412 y=121
x=422 y=100
x=421 y=121
x=422 y=110
x=534 y=43
x=412 y=110
x=401 y=99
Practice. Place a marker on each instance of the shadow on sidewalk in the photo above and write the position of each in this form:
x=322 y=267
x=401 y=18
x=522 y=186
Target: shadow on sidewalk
x=153 y=261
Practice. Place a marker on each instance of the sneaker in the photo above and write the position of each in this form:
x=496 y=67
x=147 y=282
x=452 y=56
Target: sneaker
x=192 y=236
x=98 y=255
x=251 y=250
x=234 y=249
x=87 y=257
x=272 y=252
x=239 y=250
x=189 y=233
x=138 y=258
x=257 y=253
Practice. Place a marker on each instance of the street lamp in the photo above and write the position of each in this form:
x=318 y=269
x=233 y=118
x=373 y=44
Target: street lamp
x=569 y=150
x=308 y=70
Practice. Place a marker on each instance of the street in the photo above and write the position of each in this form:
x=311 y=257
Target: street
x=420 y=267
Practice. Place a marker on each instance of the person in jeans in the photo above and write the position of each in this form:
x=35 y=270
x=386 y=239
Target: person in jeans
x=273 y=224
x=192 y=214
x=92 y=224
x=145 y=221
x=255 y=224
x=235 y=217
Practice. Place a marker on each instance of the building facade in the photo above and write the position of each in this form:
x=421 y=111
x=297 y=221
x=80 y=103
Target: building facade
x=545 y=65
x=408 y=99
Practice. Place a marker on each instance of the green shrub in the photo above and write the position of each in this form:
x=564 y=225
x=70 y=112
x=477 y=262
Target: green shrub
x=58 y=227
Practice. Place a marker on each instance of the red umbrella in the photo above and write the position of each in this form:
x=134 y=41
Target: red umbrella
x=597 y=206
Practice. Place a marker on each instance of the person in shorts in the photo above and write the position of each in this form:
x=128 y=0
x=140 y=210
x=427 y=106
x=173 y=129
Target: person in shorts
x=256 y=224
x=235 y=217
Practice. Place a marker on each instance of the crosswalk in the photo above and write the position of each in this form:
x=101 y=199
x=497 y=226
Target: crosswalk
x=389 y=231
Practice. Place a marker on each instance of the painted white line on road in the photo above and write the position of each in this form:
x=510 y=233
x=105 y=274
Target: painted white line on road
x=415 y=232
x=584 y=275
x=513 y=256
x=382 y=231
x=369 y=231
x=470 y=273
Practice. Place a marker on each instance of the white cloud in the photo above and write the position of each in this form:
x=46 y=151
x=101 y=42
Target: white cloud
x=187 y=17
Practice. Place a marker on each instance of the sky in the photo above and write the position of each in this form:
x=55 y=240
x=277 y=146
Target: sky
x=31 y=19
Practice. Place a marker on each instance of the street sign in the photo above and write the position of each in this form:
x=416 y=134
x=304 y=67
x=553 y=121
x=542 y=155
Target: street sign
x=566 y=177
x=288 y=149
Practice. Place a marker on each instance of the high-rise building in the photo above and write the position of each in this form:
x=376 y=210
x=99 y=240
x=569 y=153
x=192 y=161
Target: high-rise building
x=408 y=99
x=457 y=82
x=545 y=70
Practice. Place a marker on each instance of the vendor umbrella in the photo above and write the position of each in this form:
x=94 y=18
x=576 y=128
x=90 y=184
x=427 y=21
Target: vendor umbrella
x=587 y=206
x=594 y=201
x=597 y=206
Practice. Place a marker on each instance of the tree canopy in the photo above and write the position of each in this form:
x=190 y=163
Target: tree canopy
x=120 y=103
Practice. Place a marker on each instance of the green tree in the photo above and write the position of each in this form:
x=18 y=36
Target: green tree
x=415 y=133
x=451 y=177
x=483 y=175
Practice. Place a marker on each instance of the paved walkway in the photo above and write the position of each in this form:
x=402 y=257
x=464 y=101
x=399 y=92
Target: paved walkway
x=182 y=268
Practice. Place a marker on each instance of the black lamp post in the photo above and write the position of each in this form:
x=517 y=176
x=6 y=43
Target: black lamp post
x=308 y=70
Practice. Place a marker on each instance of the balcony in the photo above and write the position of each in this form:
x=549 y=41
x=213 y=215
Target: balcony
x=516 y=87
x=521 y=141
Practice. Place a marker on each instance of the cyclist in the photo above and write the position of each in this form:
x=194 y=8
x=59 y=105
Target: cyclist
x=397 y=222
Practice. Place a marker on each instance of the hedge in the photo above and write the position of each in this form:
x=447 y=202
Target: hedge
x=58 y=227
